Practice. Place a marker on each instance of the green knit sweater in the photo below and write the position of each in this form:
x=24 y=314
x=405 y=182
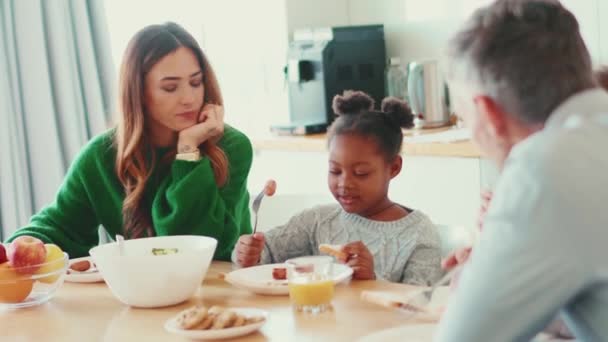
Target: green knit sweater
x=185 y=199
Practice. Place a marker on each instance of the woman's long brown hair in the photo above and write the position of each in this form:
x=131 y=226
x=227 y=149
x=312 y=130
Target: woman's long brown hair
x=135 y=157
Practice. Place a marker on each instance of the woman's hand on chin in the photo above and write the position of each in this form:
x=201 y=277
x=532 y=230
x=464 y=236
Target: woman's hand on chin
x=210 y=126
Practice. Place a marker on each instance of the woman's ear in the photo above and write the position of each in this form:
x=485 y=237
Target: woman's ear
x=396 y=165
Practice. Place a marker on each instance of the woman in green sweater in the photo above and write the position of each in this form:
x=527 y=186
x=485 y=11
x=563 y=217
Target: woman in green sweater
x=170 y=167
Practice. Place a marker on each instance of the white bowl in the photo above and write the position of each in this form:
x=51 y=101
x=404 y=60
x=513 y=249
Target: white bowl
x=142 y=279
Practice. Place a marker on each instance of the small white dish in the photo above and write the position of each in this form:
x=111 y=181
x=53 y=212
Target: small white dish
x=172 y=327
x=258 y=279
x=83 y=277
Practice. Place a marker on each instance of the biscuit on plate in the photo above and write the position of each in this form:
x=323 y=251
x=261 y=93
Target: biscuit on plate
x=224 y=320
x=240 y=321
x=189 y=318
x=206 y=323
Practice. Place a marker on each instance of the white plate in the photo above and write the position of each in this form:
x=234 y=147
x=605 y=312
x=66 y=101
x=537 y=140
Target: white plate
x=410 y=333
x=258 y=279
x=171 y=326
x=83 y=277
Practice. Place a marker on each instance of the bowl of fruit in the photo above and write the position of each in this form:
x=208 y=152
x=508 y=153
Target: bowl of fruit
x=30 y=272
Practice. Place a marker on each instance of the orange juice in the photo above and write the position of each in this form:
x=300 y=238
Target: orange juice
x=313 y=293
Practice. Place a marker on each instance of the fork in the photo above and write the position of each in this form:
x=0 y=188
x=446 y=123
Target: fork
x=269 y=189
x=121 y=244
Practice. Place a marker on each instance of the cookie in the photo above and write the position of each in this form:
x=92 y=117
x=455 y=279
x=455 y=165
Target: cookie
x=189 y=318
x=215 y=310
x=239 y=321
x=206 y=323
x=224 y=320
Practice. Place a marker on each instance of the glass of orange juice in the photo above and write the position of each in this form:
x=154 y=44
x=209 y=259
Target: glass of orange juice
x=311 y=287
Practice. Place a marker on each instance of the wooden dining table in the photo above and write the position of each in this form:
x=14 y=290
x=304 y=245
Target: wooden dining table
x=89 y=312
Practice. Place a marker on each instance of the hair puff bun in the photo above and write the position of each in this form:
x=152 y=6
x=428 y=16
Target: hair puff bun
x=352 y=102
x=399 y=111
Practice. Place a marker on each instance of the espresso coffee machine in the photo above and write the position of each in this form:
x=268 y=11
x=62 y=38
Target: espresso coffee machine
x=325 y=62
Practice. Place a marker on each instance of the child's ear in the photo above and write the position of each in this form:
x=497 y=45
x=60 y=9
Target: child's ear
x=396 y=166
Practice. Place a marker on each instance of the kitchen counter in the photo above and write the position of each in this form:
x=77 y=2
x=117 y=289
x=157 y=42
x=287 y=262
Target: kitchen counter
x=427 y=147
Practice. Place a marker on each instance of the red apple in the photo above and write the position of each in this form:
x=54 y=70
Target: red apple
x=3 y=257
x=25 y=254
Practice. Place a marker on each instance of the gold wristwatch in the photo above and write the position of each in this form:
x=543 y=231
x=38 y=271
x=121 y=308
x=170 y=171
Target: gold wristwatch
x=189 y=156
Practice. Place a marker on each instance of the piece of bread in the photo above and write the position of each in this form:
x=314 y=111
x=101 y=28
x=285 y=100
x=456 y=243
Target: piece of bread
x=381 y=299
x=333 y=250
x=412 y=301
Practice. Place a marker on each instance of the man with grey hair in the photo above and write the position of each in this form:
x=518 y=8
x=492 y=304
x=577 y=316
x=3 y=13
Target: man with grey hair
x=522 y=79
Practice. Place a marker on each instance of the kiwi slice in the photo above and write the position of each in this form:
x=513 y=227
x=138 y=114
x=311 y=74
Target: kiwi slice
x=164 y=251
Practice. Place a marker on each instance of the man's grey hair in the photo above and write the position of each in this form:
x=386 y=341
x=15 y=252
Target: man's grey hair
x=527 y=55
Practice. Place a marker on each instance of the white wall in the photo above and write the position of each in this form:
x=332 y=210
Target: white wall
x=315 y=13
x=246 y=42
x=587 y=13
x=603 y=31
x=413 y=30
x=417 y=29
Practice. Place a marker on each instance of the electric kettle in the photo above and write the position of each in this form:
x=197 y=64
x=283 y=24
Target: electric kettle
x=428 y=94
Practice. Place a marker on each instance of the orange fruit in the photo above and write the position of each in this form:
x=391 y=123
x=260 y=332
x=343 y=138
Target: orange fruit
x=14 y=288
